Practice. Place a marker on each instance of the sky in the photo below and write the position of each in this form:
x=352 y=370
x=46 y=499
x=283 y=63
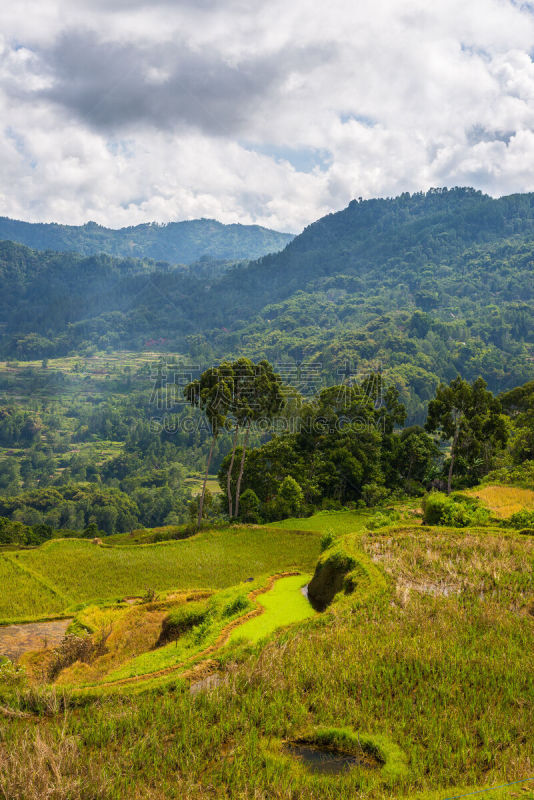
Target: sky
x=258 y=111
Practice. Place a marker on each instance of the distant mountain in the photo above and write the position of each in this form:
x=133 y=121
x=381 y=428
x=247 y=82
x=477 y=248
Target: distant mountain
x=426 y=285
x=175 y=242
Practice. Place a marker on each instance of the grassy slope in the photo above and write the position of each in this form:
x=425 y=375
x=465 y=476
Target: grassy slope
x=83 y=572
x=440 y=664
x=23 y=595
x=336 y=522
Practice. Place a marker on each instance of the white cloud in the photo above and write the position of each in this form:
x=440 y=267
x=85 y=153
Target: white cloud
x=124 y=112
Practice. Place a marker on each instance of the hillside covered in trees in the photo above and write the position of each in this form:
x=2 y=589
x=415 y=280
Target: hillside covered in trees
x=425 y=285
x=175 y=242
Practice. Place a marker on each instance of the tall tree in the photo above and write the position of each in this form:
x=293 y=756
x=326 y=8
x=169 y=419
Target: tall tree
x=263 y=400
x=243 y=387
x=212 y=393
x=468 y=416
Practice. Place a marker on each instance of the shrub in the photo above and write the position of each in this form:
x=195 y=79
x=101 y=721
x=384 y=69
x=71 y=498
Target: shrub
x=521 y=519
x=327 y=539
x=249 y=506
x=522 y=475
x=149 y=596
x=455 y=511
x=373 y=494
x=76 y=648
x=12 y=679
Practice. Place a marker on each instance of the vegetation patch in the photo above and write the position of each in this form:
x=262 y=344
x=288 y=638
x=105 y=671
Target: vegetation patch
x=343 y=568
x=503 y=501
x=283 y=605
x=484 y=565
x=456 y=511
x=181 y=620
x=79 y=572
x=336 y=761
x=28 y=597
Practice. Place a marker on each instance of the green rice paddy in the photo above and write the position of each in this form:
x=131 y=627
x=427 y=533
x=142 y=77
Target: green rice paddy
x=81 y=572
x=283 y=604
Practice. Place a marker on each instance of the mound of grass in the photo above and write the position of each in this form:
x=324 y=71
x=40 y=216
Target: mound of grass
x=392 y=760
x=181 y=620
x=343 y=568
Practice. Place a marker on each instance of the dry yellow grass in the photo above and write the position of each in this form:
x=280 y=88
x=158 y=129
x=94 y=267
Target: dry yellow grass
x=128 y=631
x=485 y=566
x=503 y=501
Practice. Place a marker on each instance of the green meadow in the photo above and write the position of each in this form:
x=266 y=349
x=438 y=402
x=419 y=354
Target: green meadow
x=81 y=572
x=24 y=595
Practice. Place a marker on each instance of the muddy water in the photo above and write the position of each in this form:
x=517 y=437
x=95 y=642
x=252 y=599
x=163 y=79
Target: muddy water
x=18 y=639
x=326 y=762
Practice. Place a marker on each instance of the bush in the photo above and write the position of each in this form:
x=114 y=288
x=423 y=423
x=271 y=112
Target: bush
x=77 y=648
x=373 y=494
x=249 y=506
x=521 y=519
x=522 y=475
x=455 y=511
x=12 y=679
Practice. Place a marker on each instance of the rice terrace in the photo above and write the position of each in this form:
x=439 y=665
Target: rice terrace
x=267 y=400
x=340 y=612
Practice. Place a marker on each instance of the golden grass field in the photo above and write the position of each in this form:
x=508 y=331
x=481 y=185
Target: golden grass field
x=503 y=501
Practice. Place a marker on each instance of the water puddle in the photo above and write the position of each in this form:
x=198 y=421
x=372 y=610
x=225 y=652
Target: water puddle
x=328 y=762
x=18 y=639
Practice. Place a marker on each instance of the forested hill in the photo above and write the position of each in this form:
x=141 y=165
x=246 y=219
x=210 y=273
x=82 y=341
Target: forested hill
x=427 y=285
x=400 y=238
x=175 y=242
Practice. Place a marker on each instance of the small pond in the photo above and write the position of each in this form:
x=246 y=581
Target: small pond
x=18 y=639
x=327 y=761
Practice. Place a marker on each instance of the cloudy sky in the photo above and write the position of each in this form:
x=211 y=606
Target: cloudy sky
x=265 y=111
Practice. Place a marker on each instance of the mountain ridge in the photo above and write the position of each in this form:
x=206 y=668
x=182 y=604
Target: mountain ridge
x=182 y=242
x=428 y=285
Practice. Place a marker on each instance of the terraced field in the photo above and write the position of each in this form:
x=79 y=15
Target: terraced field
x=66 y=572
x=422 y=659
